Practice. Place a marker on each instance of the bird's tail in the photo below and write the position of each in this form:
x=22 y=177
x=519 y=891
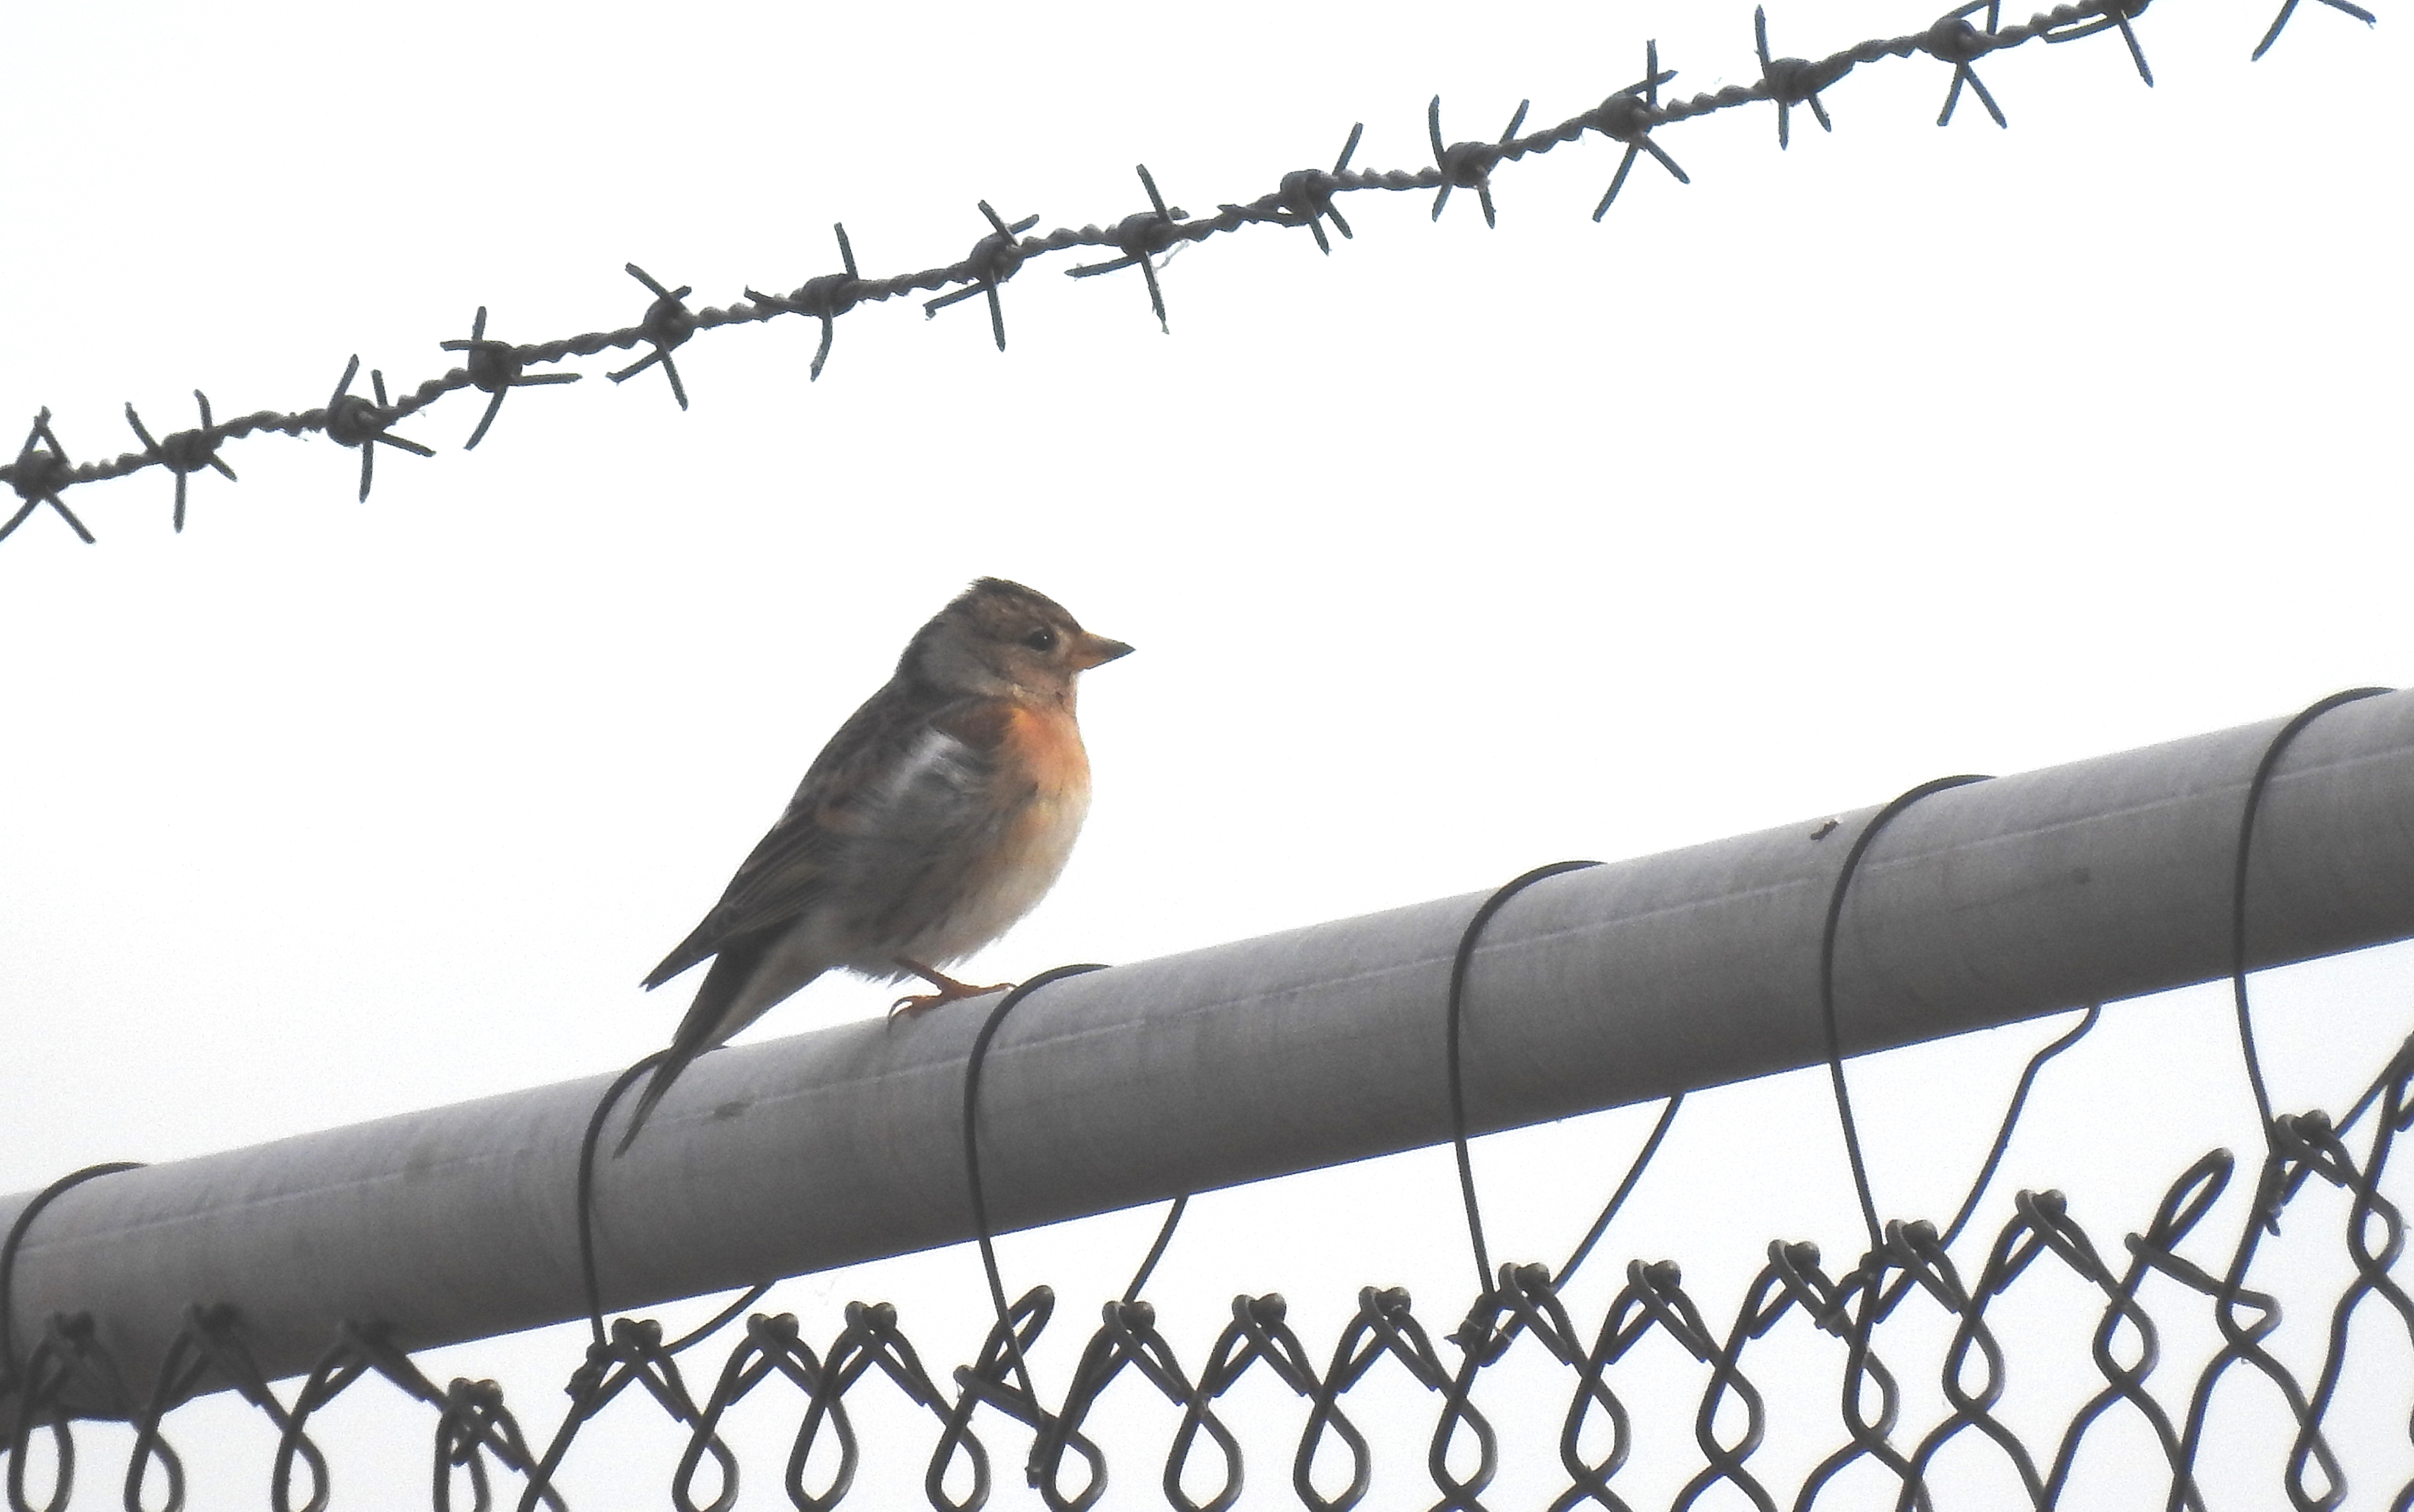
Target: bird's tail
x=674 y=1061
x=719 y=1010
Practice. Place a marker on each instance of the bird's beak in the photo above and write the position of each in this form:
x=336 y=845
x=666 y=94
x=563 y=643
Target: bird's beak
x=1097 y=650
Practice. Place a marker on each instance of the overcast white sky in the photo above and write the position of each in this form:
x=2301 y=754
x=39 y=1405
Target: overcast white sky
x=1904 y=452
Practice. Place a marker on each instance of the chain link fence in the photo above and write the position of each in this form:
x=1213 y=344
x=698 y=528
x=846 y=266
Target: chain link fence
x=2182 y=1272
x=1601 y=1374
x=989 y=1425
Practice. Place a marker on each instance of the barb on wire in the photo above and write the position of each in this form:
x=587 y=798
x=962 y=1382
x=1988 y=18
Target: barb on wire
x=495 y=367
x=1792 y=81
x=1958 y=42
x=185 y=452
x=825 y=298
x=354 y=419
x=1631 y=118
x=1141 y=237
x=1628 y=116
x=1467 y=165
x=2289 y=7
x=2112 y=13
x=1307 y=193
x=668 y=325
x=993 y=259
x=40 y=477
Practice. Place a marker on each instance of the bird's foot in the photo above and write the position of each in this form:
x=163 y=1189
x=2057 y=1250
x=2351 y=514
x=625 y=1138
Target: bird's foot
x=950 y=990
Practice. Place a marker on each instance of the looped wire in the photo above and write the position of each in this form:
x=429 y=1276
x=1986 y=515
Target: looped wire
x=603 y=1106
x=1053 y=1434
x=988 y=1028
x=2012 y=1118
x=11 y=1375
x=70 y=1352
x=210 y=1340
x=1453 y=1013
x=2255 y=789
x=1827 y=984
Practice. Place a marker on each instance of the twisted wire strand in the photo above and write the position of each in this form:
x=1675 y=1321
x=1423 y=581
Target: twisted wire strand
x=42 y=473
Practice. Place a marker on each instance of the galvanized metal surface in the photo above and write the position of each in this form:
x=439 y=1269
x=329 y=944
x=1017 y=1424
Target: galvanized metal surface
x=1981 y=905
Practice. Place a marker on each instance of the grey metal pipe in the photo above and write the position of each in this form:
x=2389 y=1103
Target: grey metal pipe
x=1983 y=905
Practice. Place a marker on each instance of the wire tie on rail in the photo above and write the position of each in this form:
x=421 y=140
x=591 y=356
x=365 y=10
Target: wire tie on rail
x=11 y=1376
x=2269 y=1207
x=1827 y=935
x=1011 y=1341
x=1453 y=1013
x=2012 y=1118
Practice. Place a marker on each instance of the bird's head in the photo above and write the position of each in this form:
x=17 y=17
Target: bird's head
x=999 y=639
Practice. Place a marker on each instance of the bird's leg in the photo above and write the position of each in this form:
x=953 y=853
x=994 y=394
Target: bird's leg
x=949 y=991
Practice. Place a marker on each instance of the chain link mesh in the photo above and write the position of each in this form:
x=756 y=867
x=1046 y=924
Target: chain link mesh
x=2176 y=1273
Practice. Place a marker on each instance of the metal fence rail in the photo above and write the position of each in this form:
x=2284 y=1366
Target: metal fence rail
x=42 y=474
x=126 y=1291
x=2174 y=1266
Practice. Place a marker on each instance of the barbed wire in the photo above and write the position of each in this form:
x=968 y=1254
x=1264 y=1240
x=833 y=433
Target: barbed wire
x=42 y=474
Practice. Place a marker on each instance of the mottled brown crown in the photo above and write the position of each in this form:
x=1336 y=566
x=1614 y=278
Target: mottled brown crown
x=998 y=634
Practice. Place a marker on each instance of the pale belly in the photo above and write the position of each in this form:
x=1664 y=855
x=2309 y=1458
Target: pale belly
x=1027 y=861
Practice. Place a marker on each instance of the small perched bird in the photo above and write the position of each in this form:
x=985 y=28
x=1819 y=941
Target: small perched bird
x=935 y=817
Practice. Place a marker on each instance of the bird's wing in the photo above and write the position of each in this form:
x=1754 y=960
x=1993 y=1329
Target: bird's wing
x=789 y=868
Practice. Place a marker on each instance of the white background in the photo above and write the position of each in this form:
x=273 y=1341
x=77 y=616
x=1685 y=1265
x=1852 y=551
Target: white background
x=1902 y=452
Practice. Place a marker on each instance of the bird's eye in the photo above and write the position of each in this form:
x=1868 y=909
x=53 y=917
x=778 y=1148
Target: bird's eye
x=1040 y=640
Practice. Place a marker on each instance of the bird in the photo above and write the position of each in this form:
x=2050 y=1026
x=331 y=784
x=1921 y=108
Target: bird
x=940 y=814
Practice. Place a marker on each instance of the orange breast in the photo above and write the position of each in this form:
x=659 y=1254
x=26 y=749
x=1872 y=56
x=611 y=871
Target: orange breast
x=1045 y=745
x=1044 y=780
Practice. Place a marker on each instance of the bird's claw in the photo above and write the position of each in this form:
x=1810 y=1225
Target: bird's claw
x=950 y=990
